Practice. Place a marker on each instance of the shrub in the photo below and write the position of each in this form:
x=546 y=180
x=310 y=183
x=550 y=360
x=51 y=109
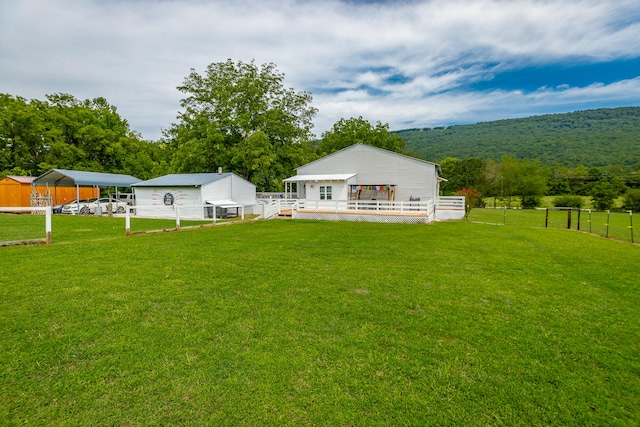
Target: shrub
x=631 y=200
x=568 y=201
x=472 y=197
x=530 y=202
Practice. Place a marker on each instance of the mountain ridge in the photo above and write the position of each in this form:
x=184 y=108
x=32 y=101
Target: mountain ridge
x=598 y=137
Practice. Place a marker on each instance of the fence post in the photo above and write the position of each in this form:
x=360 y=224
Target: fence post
x=590 y=222
x=178 y=218
x=579 y=211
x=607 y=224
x=569 y=215
x=546 y=219
x=127 y=222
x=631 y=223
x=47 y=220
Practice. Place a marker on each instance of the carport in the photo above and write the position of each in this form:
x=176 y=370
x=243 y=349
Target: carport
x=71 y=178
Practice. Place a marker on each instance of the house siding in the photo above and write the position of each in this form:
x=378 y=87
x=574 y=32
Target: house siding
x=190 y=199
x=412 y=177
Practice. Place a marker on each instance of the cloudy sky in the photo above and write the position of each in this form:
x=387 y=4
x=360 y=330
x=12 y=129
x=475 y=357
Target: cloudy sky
x=409 y=63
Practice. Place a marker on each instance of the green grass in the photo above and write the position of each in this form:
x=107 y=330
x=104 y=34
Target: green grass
x=320 y=323
x=16 y=227
x=614 y=225
x=545 y=202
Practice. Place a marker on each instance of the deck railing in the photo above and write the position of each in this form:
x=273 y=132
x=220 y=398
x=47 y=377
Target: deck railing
x=450 y=202
x=365 y=206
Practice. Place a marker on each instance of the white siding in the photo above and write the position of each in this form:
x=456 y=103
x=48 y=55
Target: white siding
x=339 y=189
x=373 y=166
x=190 y=200
x=150 y=201
x=233 y=188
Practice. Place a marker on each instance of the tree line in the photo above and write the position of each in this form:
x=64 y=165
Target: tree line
x=528 y=181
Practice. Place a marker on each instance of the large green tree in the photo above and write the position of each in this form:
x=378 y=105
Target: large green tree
x=65 y=132
x=346 y=132
x=241 y=117
x=461 y=174
x=512 y=177
x=24 y=135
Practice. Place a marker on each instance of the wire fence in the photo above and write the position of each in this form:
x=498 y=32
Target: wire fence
x=617 y=225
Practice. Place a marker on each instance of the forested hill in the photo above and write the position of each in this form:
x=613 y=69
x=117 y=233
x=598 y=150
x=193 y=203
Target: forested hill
x=608 y=136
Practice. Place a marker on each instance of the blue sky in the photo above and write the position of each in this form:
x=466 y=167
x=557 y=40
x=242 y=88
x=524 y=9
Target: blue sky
x=411 y=63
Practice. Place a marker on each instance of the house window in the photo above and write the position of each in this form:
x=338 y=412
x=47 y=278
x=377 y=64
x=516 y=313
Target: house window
x=325 y=192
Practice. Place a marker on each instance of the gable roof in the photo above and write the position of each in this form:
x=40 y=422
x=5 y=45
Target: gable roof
x=360 y=145
x=184 y=180
x=71 y=178
x=21 y=179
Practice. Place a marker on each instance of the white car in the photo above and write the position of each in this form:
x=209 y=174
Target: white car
x=103 y=204
x=76 y=206
x=91 y=206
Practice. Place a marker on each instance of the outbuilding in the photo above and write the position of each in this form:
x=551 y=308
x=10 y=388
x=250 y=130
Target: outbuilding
x=79 y=182
x=196 y=195
x=19 y=191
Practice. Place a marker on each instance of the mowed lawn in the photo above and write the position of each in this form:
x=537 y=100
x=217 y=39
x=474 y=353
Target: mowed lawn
x=320 y=323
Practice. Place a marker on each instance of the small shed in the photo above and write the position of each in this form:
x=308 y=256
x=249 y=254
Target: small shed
x=196 y=195
x=18 y=190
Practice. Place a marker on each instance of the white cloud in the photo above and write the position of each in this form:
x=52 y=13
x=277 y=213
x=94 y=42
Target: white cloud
x=134 y=53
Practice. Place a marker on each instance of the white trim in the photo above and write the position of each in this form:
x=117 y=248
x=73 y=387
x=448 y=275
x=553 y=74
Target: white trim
x=321 y=177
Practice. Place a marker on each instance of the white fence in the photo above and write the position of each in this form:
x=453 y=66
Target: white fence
x=445 y=208
x=21 y=233
x=204 y=212
x=365 y=206
x=451 y=202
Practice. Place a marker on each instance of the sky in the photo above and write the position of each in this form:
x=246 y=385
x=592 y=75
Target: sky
x=408 y=63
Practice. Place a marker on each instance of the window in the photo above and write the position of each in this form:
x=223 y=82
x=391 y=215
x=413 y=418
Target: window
x=325 y=192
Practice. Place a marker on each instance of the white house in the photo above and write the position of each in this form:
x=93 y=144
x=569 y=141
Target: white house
x=365 y=173
x=196 y=195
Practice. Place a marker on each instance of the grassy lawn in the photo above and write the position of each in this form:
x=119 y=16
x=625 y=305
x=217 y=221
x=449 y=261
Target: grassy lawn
x=320 y=323
x=614 y=225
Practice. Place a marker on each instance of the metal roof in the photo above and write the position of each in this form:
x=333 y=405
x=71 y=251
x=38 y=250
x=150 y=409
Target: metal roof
x=224 y=203
x=22 y=179
x=183 y=180
x=71 y=178
x=321 y=177
x=372 y=148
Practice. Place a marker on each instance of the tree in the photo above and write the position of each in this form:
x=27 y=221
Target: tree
x=23 y=134
x=240 y=117
x=512 y=177
x=346 y=132
x=460 y=174
x=631 y=200
x=603 y=194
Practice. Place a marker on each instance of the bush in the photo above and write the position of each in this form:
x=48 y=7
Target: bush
x=631 y=200
x=530 y=202
x=568 y=201
x=472 y=198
